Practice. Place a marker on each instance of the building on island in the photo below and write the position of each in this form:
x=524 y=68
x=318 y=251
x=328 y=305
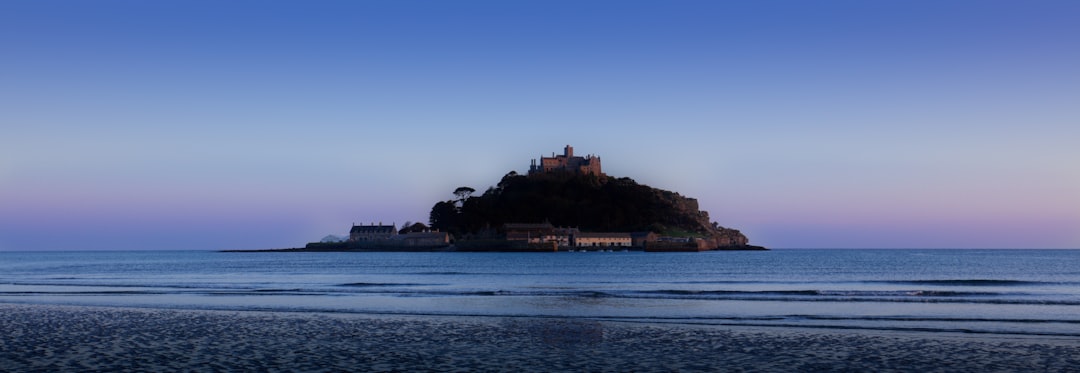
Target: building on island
x=567 y=162
x=421 y=239
x=603 y=239
x=529 y=232
x=371 y=232
x=539 y=233
x=638 y=239
x=565 y=237
x=667 y=243
x=386 y=237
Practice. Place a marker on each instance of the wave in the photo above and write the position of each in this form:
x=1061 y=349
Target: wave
x=459 y=273
x=942 y=319
x=410 y=289
x=94 y=292
x=447 y=273
x=945 y=282
x=382 y=284
x=123 y=285
x=835 y=293
x=963 y=325
x=973 y=282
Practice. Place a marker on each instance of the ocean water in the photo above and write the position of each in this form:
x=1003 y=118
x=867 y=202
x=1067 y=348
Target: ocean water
x=1021 y=292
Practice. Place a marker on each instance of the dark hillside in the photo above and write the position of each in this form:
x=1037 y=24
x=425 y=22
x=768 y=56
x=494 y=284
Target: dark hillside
x=588 y=202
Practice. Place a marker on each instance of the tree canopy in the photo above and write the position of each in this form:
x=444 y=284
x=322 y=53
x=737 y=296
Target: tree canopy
x=589 y=202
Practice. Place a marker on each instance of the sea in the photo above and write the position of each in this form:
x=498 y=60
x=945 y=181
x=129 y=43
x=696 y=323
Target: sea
x=1017 y=292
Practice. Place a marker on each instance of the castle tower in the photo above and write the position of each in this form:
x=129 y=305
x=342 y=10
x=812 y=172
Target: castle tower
x=567 y=162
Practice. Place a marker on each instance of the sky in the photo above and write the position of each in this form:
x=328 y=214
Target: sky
x=204 y=125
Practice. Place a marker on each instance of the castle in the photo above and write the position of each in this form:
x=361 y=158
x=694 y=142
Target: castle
x=567 y=162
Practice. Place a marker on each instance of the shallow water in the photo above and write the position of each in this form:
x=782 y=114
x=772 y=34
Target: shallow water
x=1027 y=292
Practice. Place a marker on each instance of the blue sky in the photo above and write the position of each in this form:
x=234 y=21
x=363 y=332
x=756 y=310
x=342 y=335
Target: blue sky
x=259 y=124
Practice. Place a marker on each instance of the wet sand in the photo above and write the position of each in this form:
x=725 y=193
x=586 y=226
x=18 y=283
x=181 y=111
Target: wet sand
x=50 y=338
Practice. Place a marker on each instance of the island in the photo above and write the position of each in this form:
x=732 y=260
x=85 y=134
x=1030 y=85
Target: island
x=564 y=203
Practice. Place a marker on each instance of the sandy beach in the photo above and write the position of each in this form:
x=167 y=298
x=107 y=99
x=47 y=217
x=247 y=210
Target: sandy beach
x=69 y=338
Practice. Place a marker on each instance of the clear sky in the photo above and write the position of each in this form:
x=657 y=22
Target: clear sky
x=266 y=124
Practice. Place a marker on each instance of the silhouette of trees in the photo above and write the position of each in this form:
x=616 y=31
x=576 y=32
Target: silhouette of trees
x=564 y=199
x=463 y=193
x=444 y=216
x=410 y=227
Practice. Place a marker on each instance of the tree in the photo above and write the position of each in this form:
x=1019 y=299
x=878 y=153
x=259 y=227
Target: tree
x=463 y=193
x=444 y=216
x=411 y=227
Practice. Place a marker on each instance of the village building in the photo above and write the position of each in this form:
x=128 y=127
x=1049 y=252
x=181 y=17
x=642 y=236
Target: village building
x=420 y=239
x=371 y=232
x=602 y=239
x=564 y=236
x=638 y=239
x=570 y=237
x=567 y=162
x=666 y=243
x=386 y=237
x=539 y=233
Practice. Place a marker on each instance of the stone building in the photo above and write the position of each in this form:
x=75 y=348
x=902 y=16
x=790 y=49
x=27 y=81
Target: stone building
x=568 y=162
x=379 y=237
x=602 y=239
x=371 y=232
x=638 y=239
x=421 y=239
x=539 y=233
